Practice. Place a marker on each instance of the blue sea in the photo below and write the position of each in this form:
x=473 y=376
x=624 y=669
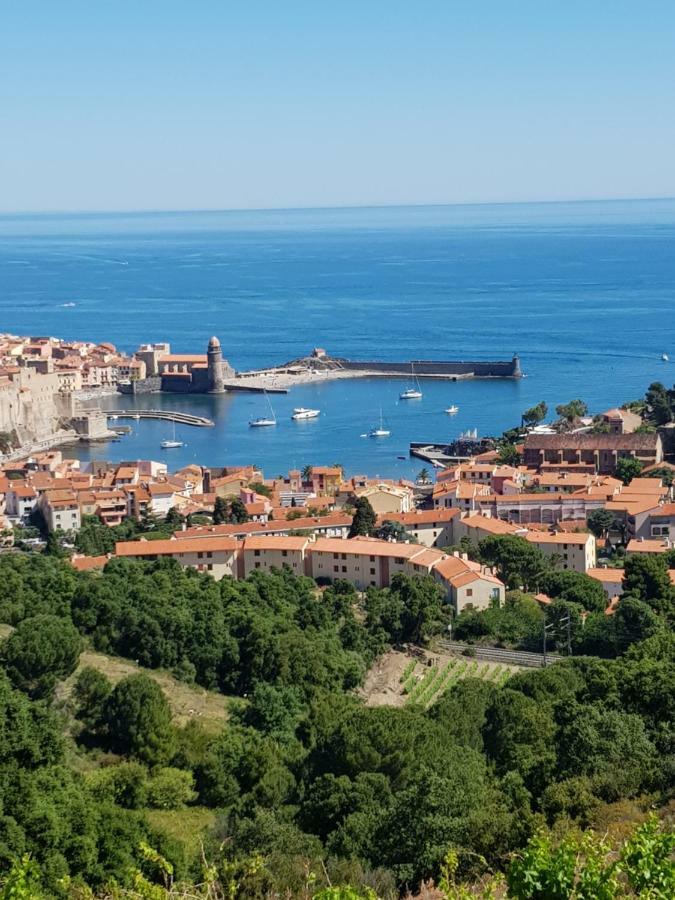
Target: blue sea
x=583 y=292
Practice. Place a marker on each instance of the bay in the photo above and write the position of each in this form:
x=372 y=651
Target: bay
x=583 y=292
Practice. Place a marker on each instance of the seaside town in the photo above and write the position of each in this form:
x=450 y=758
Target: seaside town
x=546 y=486
x=337 y=452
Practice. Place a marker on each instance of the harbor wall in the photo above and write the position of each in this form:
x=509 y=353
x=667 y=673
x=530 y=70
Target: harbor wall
x=141 y=386
x=449 y=369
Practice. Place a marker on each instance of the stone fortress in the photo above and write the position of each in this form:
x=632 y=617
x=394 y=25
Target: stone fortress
x=183 y=373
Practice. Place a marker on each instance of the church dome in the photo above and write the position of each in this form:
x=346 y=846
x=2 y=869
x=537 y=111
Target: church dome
x=214 y=343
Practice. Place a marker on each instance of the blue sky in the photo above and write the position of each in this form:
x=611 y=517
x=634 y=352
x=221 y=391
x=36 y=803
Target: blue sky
x=159 y=104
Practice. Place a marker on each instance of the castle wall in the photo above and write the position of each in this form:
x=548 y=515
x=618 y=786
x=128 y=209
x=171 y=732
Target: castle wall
x=477 y=369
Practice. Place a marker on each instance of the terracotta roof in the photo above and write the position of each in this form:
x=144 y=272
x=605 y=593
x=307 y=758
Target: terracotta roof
x=494 y=526
x=562 y=538
x=585 y=441
x=615 y=576
x=656 y=546
x=275 y=542
x=420 y=516
x=306 y=523
x=86 y=563
x=365 y=548
x=173 y=547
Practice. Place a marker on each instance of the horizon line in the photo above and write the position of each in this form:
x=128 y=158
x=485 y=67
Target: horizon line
x=322 y=208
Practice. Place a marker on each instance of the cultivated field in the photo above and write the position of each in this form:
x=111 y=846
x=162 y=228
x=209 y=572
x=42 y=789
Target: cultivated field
x=400 y=679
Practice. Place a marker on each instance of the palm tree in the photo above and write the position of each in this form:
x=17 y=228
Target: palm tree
x=423 y=475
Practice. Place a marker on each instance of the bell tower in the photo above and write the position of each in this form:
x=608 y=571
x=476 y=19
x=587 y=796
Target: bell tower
x=214 y=356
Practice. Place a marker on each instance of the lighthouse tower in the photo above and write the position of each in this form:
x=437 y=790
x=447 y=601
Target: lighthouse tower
x=215 y=367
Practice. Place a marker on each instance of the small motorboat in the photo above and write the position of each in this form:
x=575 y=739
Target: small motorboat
x=262 y=422
x=301 y=412
x=452 y=410
x=665 y=357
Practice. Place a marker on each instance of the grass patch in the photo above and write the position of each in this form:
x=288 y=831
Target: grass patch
x=188 y=702
x=185 y=825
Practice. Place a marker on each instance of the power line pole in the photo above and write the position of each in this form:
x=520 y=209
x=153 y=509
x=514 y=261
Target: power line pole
x=546 y=628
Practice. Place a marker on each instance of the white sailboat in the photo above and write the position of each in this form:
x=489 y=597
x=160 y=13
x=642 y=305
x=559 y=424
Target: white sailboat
x=381 y=431
x=665 y=357
x=264 y=421
x=301 y=412
x=171 y=444
x=452 y=410
x=413 y=392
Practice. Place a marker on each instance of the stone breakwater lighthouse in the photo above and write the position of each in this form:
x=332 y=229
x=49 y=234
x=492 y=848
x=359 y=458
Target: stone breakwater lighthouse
x=215 y=367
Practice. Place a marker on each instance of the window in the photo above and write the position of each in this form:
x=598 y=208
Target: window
x=209 y=555
x=344 y=556
x=372 y=583
x=257 y=565
x=398 y=560
x=209 y=566
x=659 y=530
x=344 y=568
x=200 y=556
x=256 y=552
x=336 y=556
x=469 y=592
x=372 y=559
x=372 y=571
x=336 y=568
x=357 y=569
x=284 y=552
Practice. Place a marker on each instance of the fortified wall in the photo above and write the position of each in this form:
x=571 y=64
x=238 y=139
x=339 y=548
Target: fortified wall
x=439 y=368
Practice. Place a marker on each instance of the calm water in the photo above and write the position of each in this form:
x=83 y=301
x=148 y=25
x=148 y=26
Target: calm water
x=584 y=292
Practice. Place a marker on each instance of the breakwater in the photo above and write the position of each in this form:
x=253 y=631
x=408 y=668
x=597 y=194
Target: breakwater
x=180 y=418
x=426 y=368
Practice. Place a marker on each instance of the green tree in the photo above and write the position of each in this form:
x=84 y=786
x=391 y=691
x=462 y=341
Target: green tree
x=423 y=476
x=646 y=577
x=599 y=521
x=508 y=454
x=535 y=414
x=41 y=651
x=574 y=587
x=220 y=511
x=660 y=403
x=91 y=691
x=174 y=519
x=364 y=520
x=665 y=474
x=575 y=409
x=170 y=788
x=138 y=720
x=517 y=562
x=237 y=512
x=391 y=530
x=627 y=468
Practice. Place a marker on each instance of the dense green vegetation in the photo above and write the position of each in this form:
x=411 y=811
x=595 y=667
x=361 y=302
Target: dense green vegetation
x=303 y=777
x=646 y=608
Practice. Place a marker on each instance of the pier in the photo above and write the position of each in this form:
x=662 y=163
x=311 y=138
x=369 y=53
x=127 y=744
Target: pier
x=180 y=418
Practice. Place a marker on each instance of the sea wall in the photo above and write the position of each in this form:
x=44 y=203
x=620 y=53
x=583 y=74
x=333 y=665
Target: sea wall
x=141 y=385
x=448 y=369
